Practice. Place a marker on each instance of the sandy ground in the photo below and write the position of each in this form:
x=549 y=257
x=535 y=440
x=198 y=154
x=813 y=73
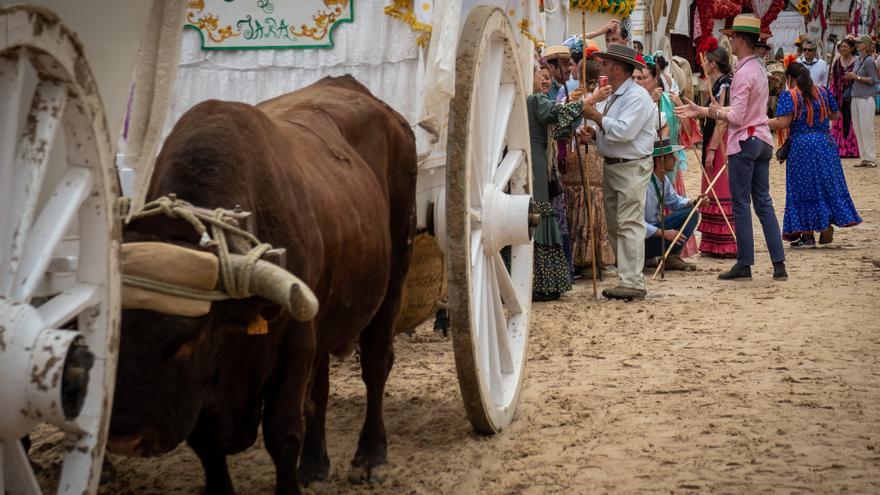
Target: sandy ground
x=706 y=386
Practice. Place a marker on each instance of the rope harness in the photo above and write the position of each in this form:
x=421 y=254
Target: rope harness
x=220 y=227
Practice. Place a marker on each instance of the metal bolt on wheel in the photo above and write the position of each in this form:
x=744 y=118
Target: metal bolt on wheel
x=59 y=302
x=487 y=212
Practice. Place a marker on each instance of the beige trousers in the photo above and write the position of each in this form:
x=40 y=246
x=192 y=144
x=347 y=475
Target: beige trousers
x=863 y=124
x=623 y=186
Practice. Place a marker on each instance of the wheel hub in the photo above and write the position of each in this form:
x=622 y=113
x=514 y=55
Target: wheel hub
x=43 y=372
x=505 y=219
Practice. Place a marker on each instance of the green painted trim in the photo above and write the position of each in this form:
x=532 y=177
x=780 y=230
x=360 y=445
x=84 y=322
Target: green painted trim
x=746 y=29
x=298 y=47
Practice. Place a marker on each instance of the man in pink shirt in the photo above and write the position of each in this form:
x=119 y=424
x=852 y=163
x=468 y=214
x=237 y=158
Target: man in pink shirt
x=749 y=148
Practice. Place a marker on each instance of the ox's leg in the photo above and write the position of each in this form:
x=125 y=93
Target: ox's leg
x=283 y=423
x=217 y=480
x=314 y=463
x=377 y=357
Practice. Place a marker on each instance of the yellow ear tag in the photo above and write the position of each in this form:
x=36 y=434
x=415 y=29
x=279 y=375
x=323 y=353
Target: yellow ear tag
x=258 y=327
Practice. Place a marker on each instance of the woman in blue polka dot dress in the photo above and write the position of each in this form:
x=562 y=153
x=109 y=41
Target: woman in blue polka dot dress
x=816 y=196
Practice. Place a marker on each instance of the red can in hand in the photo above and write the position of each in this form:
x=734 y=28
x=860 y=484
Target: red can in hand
x=603 y=81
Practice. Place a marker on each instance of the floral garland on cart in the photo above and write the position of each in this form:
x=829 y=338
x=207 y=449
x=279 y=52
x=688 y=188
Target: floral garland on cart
x=709 y=10
x=622 y=8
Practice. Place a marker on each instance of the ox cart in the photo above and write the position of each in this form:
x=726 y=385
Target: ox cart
x=62 y=215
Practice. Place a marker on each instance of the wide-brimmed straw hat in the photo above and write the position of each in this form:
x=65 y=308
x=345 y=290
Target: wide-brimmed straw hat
x=556 y=51
x=746 y=24
x=665 y=147
x=622 y=54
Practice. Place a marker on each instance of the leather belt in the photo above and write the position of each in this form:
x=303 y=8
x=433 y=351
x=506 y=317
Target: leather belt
x=614 y=161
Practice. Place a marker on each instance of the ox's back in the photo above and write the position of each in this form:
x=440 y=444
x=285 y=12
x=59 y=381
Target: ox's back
x=329 y=172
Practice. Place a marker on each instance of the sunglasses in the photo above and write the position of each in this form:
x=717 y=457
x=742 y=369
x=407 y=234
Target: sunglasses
x=809 y=49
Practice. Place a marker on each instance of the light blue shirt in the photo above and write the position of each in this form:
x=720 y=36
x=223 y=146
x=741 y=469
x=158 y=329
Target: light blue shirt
x=629 y=129
x=671 y=200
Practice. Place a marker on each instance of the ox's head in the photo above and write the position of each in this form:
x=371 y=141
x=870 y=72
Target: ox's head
x=168 y=363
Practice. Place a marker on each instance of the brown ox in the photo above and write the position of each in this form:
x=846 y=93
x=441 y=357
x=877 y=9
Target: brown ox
x=329 y=173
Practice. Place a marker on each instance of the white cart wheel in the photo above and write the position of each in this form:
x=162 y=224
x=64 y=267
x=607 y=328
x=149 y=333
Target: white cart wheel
x=487 y=200
x=59 y=290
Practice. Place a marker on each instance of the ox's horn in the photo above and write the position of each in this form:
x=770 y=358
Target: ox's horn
x=279 y=286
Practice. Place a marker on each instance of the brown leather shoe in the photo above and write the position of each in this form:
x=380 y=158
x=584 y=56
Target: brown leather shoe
x=674 y=262
x=625 y=293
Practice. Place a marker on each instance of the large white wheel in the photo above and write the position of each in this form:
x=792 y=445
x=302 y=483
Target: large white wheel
x=59 y=290
x=487 y=212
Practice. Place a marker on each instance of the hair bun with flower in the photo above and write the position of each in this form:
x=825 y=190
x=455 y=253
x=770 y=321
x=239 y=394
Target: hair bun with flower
x=590 y=49
x=707 y=44
x=646 y=59
x=791 y=57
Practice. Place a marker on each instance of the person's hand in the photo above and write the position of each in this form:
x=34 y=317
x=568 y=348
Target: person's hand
x=849 y=76
x=611 y=26
x=591 y=113
x=656 y=94
x=714 y=108
x=669 y=235
x=699 y=199
x=587 y=134
x=688 y=110
x=675 y=98
x=710 y=157
x=601 y=93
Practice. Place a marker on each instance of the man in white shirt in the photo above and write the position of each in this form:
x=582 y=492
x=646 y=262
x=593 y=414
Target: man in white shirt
x=624 y=127
x=810 y=59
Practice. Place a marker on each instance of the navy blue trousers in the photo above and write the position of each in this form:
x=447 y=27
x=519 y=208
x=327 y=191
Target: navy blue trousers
x=749 y=172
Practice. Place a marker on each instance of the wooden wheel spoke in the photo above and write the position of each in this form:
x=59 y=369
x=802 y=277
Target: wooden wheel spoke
x=501 y=340
x=476 y=245
x=12 y=71
x=490 y=74
x=19 y=474
x=488 y=337
x=31 y=162
x=511 y=163
x=53 y=222
x=506 y=288
x=68 y=305
x=503 y=110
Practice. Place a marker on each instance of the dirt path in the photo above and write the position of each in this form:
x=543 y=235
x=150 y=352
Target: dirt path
x=706 y=386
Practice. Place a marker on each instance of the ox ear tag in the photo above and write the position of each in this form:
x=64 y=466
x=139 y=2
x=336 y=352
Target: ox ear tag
x=258 y=327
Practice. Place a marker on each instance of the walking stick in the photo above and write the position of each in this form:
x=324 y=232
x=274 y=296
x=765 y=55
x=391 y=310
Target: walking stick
x=588 y=206
x=662 y=234
x=715 y=195
x=588 y=203
x=686 y=221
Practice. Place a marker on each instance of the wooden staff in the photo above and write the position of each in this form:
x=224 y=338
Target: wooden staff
x=588 y=203
x=715 y=195
x=688 y=219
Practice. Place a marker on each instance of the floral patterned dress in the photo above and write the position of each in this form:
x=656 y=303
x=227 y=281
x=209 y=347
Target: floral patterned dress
x=842 y=129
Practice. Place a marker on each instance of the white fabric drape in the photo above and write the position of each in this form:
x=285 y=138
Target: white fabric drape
x=377 y=50
x=786 y=28
x=154 y=79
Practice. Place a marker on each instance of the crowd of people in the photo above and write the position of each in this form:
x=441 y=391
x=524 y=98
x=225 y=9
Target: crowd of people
x=609 y=132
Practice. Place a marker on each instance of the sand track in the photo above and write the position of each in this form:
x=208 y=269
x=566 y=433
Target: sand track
x=706 y=386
